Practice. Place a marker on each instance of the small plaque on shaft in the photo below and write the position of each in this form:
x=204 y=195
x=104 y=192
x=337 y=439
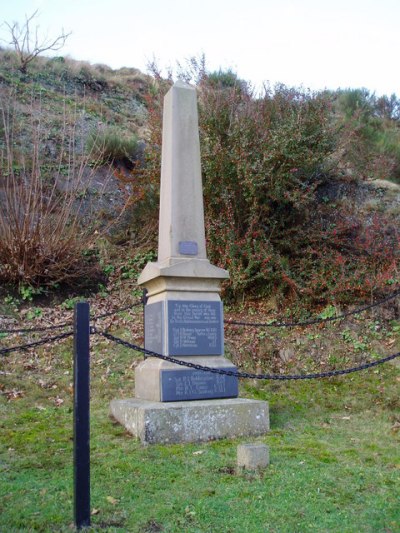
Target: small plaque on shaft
x=188 y=248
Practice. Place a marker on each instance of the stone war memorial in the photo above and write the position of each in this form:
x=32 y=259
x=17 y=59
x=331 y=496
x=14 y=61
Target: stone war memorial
x=184 y=313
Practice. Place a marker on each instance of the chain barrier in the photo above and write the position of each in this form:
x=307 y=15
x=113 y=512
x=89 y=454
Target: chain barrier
x=69 y=324
x=6 y=351
x=245 y=375
x=227 y=322
x=313 y=321
x=111 y=313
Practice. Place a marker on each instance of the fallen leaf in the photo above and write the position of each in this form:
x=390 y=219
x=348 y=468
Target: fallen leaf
x=199 y=452
x=112 y=500
x=396 y=427
x=14 y=394
x=345 y=418
x=95 y=511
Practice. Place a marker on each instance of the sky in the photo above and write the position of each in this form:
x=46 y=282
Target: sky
x=313 y=44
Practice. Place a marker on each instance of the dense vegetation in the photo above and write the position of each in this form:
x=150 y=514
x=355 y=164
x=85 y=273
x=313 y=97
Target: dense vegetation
x=273 y=164
x=269 y=161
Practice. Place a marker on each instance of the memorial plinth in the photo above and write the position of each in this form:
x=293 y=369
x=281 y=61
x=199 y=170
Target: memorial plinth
x=184 y=312
x=199 y=421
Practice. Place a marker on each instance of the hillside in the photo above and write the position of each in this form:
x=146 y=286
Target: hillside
x=302 y=206
x=301 y=190
x=79 y=124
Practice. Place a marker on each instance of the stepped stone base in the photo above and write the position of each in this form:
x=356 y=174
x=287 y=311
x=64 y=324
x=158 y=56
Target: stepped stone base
x=192 y=421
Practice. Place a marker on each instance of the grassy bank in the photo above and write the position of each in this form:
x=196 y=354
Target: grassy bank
x=334 y=447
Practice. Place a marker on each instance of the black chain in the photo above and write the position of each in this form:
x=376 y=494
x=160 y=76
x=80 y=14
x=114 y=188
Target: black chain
x=310 y=322
x=227 y=322
x=69 y=324
x=246 y=375
x=111 y=313
x=5 y=351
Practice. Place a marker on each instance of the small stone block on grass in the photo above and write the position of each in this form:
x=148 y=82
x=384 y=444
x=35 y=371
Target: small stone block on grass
x=252 y=456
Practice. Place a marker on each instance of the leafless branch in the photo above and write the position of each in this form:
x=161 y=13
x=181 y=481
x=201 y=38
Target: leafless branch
x=27 y=42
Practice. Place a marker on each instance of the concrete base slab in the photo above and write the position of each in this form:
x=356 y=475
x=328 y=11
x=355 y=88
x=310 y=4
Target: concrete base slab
x=195 y=421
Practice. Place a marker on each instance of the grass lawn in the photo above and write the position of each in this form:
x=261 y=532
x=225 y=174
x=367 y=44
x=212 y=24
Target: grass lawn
x=334 y=448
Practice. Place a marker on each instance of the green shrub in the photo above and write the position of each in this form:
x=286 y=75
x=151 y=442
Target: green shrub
x=263 y=157
x=261 y=160
x=112 y=145
x=370 y=139
x=223 y=79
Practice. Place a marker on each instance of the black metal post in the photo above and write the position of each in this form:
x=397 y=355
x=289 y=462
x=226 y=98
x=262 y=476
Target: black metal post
x=81 y=415
x=144 y=300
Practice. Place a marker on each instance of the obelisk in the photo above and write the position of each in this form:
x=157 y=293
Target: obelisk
x=183 y=315
x=184 y=312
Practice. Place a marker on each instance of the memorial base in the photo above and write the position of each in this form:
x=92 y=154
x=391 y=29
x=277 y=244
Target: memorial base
x=196 y=421
x=162 y=381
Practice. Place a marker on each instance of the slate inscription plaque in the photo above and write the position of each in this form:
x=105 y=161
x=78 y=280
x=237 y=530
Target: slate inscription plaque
x=154 y=327
x=195 y=328
x=183 y=385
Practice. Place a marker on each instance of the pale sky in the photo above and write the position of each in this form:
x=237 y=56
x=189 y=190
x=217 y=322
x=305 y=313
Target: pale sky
x=312 y=44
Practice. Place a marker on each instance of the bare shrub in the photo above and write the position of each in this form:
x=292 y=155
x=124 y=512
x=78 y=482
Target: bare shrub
x=27 y=42
x=43 y=241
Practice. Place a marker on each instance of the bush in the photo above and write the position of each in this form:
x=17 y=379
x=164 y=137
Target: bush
x=263 y=157
x=370 y=138
x=42 y=241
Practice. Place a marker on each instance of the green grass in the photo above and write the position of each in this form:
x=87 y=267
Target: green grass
x=334 y=457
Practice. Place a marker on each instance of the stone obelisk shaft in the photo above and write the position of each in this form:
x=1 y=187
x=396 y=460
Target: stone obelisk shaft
x=181 y=241
x=181 y=225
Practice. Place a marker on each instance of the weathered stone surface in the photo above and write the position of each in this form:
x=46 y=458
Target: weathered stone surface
x=252 y=456
x=197 y=421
